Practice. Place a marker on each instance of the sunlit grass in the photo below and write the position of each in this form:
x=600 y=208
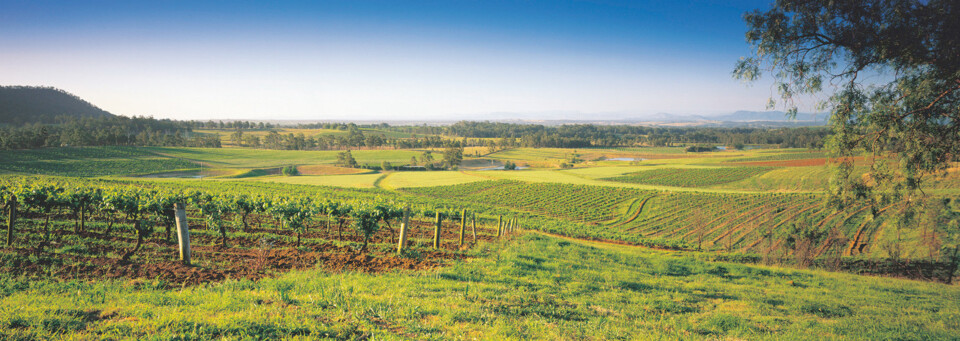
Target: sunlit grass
x=536 y=287
x=347 y=180
x=427 y=179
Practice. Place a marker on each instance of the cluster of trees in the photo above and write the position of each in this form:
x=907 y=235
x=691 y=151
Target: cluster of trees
x=275 y=140
x=497 y=136
x=104 y=131
x=451 y=158
x=230 y=125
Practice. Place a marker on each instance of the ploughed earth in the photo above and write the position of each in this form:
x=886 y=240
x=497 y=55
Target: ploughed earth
x=260 y=252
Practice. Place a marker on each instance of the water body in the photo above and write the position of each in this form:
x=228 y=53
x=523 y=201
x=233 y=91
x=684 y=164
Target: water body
x=498 y=168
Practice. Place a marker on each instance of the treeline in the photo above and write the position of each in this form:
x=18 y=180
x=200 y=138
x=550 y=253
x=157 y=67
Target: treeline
x=147 y=131
x=589 y=135
x=354 y=138
x=104 y=131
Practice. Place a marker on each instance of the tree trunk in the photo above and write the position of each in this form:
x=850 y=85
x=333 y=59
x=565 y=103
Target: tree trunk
x=11 y=219
x=298 y=238
x=223 y=236
x=404 y=226
x=393 y=234
x=463 y=225
x=953 y=265
x=109 y=227
x=243 y=218
x=136 y=226
x=436 y=233
x=46 y=229
x=83 y=219
x=340 y=229
x=183 y=232
x=474 y=221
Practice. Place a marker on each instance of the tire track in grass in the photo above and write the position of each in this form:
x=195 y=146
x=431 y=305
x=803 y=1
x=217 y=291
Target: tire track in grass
x=379 y=181
x=635 y=214
x=721 y=236
x=681 y=225
x=784 y=221
x=694 y=230
x=745 y=233
x=830 y=242
x=856 y=237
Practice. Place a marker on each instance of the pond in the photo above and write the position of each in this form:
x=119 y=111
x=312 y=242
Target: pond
x=498 y=168
x=625 y=159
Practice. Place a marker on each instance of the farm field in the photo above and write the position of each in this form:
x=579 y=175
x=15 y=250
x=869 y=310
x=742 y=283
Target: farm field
x=576 y=270
x=90 y=161
x=397 y=180
x=480 y=170
x=258 y=158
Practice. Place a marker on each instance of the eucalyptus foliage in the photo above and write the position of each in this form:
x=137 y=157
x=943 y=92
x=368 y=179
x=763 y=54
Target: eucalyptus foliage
x=891 y=69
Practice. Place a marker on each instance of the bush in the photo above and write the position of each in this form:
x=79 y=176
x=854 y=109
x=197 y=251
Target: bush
x=290 y=171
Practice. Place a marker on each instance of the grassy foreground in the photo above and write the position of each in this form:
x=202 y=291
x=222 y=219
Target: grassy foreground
x=534 y=287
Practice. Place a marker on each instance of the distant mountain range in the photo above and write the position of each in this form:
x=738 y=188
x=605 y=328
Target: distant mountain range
x=745 y=116
x=28 y=104
x=735 y=119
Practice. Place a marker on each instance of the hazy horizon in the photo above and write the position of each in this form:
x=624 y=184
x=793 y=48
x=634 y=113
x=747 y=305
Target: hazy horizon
x=382 y=60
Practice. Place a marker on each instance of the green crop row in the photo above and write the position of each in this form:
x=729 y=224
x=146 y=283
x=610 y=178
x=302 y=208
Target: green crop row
x=691 y=177
x=582 y=203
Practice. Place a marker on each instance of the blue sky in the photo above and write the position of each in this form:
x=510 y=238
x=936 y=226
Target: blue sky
x=384 y=59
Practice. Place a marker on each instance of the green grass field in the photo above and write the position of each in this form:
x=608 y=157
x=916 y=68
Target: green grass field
x=88 y=162
x=397 y=180
x=257 y=158
x=534 y=287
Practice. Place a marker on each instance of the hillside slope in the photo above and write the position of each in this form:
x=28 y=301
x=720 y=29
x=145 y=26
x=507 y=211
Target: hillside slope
x=27 y=104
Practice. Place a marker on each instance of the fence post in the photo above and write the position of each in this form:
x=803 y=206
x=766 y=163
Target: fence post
x=463 y=224
x=474 y=216
x=403 y=230
x=436 y=233
x=11 y=218
x=183 y=233
x=499 y=226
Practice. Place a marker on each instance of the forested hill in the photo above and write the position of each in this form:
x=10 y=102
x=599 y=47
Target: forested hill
x=28 y=104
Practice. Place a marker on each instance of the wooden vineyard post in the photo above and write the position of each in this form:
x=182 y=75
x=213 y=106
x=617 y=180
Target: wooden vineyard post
x=436 y=233
x=474 y=220
x=499 y=226
x=11 y=218
x=183 y=233
x=463 y=225
x=403 y=230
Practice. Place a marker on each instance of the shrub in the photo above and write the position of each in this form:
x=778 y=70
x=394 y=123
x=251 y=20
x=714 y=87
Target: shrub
x=290 y=171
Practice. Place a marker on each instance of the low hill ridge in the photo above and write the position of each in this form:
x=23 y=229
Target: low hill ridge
x=30 y=104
